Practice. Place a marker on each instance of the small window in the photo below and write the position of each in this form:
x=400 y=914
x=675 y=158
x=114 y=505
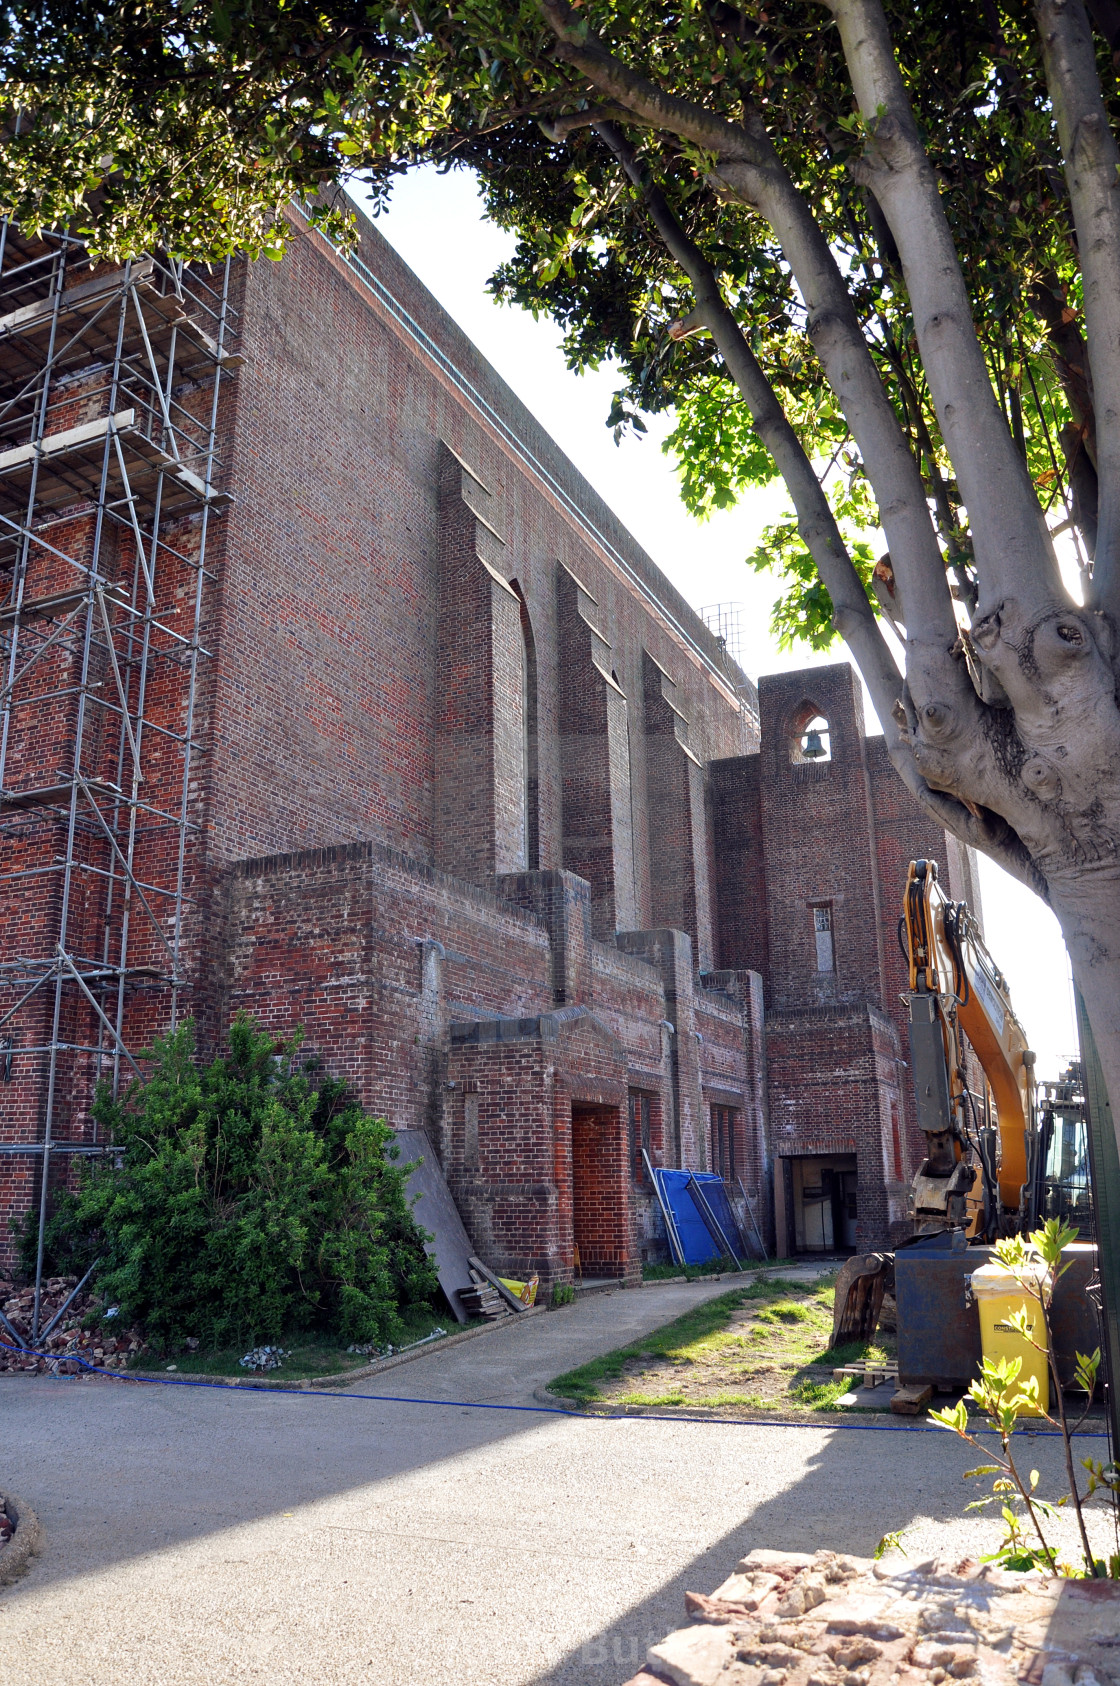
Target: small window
x=725 y=1122
x=640 y=1136
x=811 y=744
x=822 y=931
x=470 y=1132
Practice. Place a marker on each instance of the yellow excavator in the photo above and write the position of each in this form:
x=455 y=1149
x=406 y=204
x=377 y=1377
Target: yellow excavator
x=987 y=1159
x=981 y=1166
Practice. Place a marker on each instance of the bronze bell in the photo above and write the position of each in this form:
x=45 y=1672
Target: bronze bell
x=814 y=749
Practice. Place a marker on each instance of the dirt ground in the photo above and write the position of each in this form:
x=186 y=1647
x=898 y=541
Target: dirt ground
x=765 y=1347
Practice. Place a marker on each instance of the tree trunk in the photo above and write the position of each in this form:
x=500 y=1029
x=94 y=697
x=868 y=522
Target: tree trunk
x=1087 y=905
x=1010 y=731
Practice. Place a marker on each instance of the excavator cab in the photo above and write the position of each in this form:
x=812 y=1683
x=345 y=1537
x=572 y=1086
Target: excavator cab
x=1064 y=1189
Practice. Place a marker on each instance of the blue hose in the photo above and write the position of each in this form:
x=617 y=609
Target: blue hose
x=535 y=1410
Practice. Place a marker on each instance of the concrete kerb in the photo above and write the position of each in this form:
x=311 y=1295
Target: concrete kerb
x=27 y=1541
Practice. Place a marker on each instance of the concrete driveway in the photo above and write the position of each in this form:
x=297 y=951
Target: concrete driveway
x=218 y=1536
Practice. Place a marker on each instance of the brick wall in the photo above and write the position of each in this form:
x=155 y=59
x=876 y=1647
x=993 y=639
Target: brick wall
x=348 y=524
x=546 y=1099
x=817 y=830
x=594 y=743
x=832 y=1077
x=680 y=897
x=468 y=759
x=742 y=927
x=373 y=954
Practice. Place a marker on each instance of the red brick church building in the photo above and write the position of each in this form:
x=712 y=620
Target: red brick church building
x=332 y=691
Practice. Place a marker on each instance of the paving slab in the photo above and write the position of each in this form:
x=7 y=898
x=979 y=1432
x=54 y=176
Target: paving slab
x=221 y=1536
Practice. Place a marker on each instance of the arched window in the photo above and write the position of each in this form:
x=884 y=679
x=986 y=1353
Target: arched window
x=530 y=781
x=810 y=742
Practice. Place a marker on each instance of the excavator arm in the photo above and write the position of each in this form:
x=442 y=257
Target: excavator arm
x=980 y=1171
x=957 y=991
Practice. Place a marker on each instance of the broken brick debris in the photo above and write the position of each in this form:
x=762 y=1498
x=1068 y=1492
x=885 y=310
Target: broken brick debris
x=105 y=1345
x=790 y=1619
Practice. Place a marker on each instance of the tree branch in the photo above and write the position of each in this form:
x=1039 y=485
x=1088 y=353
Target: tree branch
x=853 y=616
x=559 y=128
x=947 y=720
x=1092 y=163
x=1011 y=544
x=750 y=169
x=576 y=46
x=1071 y=360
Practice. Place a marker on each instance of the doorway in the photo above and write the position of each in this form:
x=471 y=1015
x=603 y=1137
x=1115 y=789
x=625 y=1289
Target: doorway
x=600 y=1211
x=825 y=1204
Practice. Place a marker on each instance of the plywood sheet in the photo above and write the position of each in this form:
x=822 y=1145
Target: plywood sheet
x=437 y=1213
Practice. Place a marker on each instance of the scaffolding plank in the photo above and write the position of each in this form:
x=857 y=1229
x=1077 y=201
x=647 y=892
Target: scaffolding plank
x=84 y=299
x=43 y=608
x=435 y=1211
x=69 y=439
x=52 y=795
x=26 y=333
x=71 y=464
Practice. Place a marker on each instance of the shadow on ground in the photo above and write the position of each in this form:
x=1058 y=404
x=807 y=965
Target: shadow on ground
x=202 y=1534
x=859 y=1485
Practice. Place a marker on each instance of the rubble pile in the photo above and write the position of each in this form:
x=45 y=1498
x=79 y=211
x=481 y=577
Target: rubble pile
x=786 y=1619
x=105 y=1345
x=263 y=1358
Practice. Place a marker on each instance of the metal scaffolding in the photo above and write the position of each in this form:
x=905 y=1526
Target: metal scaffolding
x=111 y=387
x=726 y=621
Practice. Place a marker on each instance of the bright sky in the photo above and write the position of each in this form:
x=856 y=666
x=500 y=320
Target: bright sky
x=436 y=224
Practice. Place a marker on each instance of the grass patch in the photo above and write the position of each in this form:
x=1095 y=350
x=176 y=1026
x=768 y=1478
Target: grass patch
x=650 y=1399
x=714 y=1267
x=676 y=1342
x=306 y=1356
x=818 y=1396
x=764 y=1345
x=789 y=1312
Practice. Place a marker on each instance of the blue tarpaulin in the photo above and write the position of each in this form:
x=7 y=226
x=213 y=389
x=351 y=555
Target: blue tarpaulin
x=696 y=1243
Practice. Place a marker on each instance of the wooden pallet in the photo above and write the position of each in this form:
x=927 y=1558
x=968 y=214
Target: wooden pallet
x=866 y=1375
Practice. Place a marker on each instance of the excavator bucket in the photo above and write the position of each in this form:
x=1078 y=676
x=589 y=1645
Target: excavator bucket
x=860 y=1287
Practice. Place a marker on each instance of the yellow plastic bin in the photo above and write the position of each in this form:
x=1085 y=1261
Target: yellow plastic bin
x=998 y=1295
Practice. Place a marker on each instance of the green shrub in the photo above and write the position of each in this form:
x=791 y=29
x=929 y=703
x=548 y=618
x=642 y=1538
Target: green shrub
x=247 y=1205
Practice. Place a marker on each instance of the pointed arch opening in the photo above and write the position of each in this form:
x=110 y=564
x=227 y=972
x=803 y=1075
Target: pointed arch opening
x=810 y=737
x=530 y=780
